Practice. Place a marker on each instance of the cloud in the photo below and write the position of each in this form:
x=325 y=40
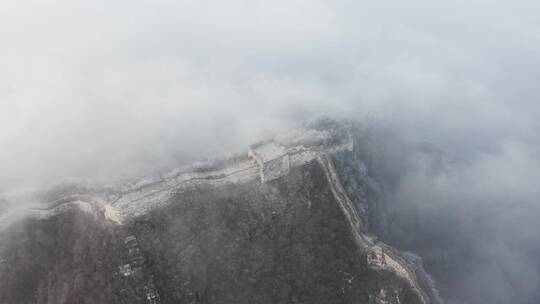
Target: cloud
x=471 y=216
x=91 y=88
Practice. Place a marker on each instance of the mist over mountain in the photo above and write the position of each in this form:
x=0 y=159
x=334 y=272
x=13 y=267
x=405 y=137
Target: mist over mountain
x=473 y=220
x=442 y=97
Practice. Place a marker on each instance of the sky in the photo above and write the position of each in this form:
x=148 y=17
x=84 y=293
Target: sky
x=105 y=91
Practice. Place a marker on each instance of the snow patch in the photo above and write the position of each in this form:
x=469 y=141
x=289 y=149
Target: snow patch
x=112 y=214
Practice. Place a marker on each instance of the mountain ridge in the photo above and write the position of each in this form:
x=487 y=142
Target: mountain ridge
x=308 y=154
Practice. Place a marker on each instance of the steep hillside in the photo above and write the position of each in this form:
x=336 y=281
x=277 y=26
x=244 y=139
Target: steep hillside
x=289 y=222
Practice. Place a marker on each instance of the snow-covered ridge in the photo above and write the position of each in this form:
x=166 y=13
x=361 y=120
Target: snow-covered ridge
x=276 y=156
x=93 y=205
x=139 y=201
x=266 y=161
x=263 y=161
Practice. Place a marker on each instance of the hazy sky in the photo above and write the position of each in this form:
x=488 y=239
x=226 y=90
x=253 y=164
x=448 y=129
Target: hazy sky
x=105 y=90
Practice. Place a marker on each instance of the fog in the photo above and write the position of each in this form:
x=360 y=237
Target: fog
x=106 y=91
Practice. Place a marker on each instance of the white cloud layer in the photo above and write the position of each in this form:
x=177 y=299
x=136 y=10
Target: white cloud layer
x=111 y=89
